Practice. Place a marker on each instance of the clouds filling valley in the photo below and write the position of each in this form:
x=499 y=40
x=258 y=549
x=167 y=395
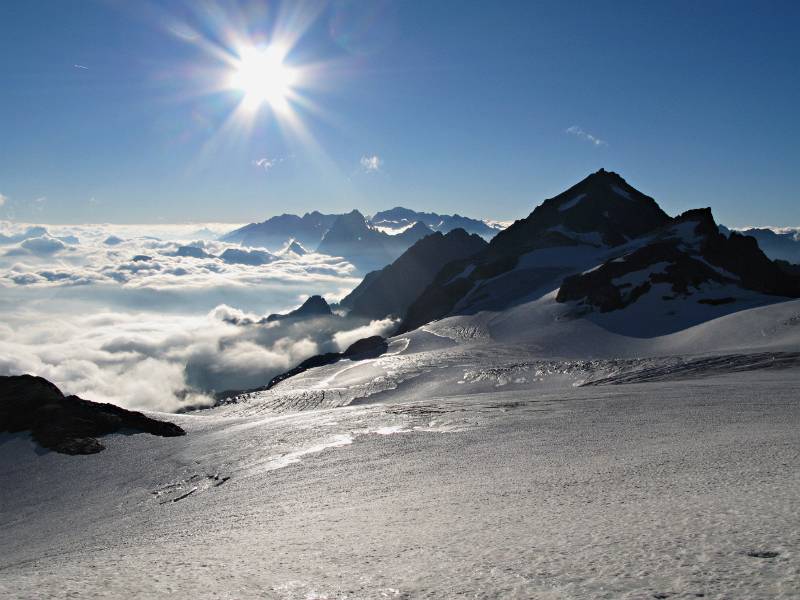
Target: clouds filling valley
x=160 y=317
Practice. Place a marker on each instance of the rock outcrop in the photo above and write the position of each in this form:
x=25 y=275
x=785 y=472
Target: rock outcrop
x=67 y=424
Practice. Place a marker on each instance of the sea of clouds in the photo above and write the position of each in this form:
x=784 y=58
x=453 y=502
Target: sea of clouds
x=129 y=315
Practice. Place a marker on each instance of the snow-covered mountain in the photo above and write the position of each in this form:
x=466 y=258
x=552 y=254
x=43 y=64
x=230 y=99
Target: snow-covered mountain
x=600 y=220
x=687 y=258
x=391 y=290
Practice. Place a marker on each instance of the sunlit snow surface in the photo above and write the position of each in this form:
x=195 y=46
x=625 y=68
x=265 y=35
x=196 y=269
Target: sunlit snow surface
x=469 y=461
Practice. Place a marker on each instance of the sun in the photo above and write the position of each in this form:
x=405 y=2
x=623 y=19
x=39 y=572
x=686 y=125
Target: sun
x=261 y=75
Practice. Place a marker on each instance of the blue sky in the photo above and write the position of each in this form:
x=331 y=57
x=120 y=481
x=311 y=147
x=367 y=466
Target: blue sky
x=116 y=112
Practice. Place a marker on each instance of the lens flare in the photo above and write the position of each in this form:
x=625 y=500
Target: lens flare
x=263 y=77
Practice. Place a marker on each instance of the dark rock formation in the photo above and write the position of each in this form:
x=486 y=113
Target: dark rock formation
x=685 y=254
x=67 y=424
x=391 y=290
x=315 y=306
x=602 y=207
x=369 y=347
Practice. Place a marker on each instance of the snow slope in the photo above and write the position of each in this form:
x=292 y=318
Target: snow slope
x=624 y=492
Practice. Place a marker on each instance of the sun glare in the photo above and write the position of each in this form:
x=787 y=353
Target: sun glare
x=261 y=75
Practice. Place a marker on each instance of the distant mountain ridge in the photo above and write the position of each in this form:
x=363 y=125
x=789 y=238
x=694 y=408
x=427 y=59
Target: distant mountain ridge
x=399 y=217
x=311 y=229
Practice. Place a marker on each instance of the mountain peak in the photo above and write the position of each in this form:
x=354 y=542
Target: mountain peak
x=600 y=210
x=314 y=306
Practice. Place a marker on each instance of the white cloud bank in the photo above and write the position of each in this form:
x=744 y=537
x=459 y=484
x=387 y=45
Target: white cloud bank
x=139 y=324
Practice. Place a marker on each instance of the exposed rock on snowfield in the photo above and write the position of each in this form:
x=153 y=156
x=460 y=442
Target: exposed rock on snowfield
x=67 y=424
x=686 y=257
x=391 y=290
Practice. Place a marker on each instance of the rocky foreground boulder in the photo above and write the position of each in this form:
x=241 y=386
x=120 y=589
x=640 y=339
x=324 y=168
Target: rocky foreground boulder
x=67 y=424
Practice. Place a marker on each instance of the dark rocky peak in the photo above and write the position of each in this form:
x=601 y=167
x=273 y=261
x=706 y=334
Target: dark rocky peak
x=315 y=306
x=602 y=209
x=352 y=219
x=418 y=230
x=294 y=247
x=349 y=227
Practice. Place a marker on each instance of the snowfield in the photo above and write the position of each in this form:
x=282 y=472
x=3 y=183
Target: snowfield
x=474 y=459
